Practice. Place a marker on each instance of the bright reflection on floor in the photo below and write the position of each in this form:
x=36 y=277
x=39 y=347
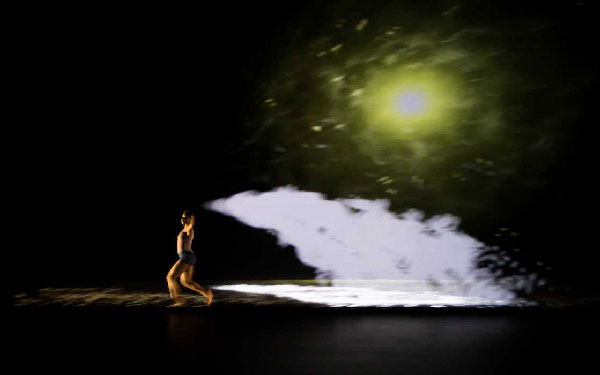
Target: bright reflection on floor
x=362 y=296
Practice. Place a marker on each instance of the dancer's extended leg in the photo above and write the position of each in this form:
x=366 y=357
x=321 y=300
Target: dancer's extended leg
x=188 y=282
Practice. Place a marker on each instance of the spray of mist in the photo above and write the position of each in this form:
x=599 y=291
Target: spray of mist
x=356 y=241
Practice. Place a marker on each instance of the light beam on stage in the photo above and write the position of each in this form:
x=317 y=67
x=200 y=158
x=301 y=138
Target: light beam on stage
x=371 y=293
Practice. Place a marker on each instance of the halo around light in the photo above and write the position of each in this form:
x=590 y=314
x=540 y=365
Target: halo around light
x=407 y=101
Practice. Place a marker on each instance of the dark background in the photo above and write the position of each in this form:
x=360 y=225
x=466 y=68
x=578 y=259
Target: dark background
x=125 y=117
x=124 y=120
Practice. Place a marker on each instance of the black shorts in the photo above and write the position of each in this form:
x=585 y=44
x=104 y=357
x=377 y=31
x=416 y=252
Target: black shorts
x=187 y=257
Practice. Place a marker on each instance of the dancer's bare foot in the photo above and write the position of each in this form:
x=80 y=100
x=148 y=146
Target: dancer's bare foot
x=209 y=296
x=179 y=301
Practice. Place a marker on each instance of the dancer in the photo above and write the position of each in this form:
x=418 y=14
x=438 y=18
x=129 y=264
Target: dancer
x=184 y=267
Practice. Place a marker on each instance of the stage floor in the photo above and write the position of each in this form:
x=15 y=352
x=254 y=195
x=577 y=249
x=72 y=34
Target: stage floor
x=110 y=330
x=289 y=293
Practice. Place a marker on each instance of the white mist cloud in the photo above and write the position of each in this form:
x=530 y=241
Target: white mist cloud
x=362 y=239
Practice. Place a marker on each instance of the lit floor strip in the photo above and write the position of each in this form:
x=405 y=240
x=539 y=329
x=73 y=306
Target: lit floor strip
x=363 y=297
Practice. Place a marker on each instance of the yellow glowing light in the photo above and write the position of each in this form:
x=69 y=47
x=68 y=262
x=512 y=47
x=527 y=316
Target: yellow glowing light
x=411 y=103
x=404 y=100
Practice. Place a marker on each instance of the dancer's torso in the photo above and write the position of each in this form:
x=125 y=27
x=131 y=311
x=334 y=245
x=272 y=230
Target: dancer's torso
x=184 y=241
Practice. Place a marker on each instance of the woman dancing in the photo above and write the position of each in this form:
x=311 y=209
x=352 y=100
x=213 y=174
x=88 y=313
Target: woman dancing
x=184 y=267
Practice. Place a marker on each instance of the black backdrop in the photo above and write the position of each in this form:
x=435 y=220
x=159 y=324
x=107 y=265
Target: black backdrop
x=125 y=117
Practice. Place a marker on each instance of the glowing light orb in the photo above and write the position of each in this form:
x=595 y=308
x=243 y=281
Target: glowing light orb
x=408 y=101
x=411 y=102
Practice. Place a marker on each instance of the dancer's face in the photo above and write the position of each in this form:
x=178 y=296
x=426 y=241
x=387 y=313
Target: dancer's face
x=187 y=219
